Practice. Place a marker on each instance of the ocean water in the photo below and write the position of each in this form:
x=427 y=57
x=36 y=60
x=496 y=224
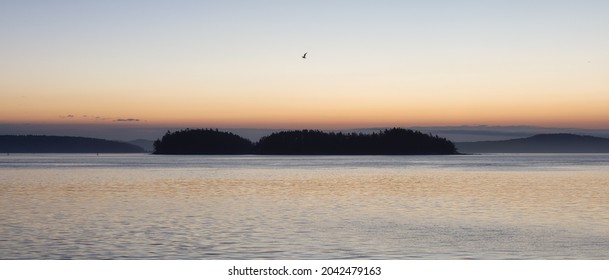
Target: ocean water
x=501 y=206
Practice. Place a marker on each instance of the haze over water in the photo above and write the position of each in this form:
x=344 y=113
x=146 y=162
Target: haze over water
x=316 y=207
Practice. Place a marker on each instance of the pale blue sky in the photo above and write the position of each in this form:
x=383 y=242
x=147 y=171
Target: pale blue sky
x=237 y=63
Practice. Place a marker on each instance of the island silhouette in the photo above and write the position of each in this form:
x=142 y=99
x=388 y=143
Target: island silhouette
x=202 y=142
x=394 y=141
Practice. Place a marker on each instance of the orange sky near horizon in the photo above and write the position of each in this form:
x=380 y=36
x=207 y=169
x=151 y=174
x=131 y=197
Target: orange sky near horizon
x=388 y=64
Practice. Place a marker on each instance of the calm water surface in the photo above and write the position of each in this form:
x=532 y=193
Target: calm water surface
x=312 y=207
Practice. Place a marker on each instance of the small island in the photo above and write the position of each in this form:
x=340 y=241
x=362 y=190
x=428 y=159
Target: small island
x=395 y=141
x=202 y=142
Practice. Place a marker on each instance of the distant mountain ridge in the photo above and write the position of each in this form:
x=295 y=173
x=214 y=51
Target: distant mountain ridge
x=541 y=143
x=63 y=144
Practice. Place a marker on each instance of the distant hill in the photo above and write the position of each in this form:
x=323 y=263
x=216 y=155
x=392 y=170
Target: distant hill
x=395 y=141
x=63 y=144
x=542 y=143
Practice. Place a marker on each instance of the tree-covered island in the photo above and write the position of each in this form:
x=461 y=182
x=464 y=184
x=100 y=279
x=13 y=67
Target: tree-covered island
x=202 y=142
x=395 y=141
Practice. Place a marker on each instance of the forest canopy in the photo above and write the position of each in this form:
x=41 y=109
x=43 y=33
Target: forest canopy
x=395 y=141
x=202 y=142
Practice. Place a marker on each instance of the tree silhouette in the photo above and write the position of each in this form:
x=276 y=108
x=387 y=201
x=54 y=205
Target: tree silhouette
x=202 y=142
x=395 y=141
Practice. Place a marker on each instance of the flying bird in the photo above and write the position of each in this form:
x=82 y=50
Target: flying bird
x=305 y=55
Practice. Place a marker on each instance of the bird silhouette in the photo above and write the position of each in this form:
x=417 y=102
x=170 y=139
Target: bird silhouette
x=305 y=55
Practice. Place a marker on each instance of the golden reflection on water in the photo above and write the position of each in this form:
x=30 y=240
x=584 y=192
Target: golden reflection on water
x=359 y=212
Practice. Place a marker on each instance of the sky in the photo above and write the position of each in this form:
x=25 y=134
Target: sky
x=238 y=64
